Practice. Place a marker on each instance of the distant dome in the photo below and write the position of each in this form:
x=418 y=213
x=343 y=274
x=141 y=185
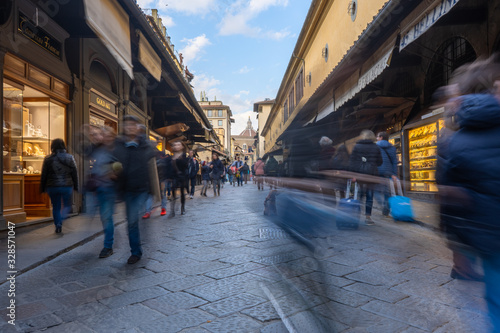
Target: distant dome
x=249 y=131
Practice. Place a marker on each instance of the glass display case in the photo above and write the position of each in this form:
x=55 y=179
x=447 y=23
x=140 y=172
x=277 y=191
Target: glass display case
x=31 y=120
x=423 y=156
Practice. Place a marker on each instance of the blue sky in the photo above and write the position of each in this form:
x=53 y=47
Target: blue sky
x=238 y=50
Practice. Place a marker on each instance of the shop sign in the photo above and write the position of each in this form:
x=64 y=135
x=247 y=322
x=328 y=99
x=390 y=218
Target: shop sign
x=39 y=36
x=102 y=102
x=441 y=9
x=433 y=113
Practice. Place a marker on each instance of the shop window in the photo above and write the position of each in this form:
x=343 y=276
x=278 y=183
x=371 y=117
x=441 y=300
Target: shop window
x=31 y=121
x=299 y=86
x=450 y=56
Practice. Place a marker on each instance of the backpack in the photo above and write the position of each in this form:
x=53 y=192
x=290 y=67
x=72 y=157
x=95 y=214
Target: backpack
x=367 y=168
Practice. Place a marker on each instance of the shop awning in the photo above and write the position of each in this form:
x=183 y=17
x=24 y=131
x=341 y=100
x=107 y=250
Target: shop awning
x=365 y=79
x=148 y=57
x=436 y=11
x=110 y=23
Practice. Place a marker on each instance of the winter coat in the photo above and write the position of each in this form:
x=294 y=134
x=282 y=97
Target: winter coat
x=205 y=172
x=389 y=165
x=259 y=168
x=193 y=167
x=102 y=170
x=134 y=158
x=472 y=168
x=59 y=170
x=218 y=169
x=365 y=151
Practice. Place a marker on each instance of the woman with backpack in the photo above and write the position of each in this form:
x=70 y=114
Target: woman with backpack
x=365 y=159
x=59 y=179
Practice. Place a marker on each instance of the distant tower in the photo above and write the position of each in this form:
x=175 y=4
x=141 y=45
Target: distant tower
x=249 y=124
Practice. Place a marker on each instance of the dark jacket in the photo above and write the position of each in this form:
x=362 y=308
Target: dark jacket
x=102 y=171
x=271 y=166
x=365 y=158
x=325 y=156
x=134 y=158
x=472 y=168
x=205 y=172
x=59 y=170
x=340 y=160
x=389 y=165
x=218 y=169
x=193 y=167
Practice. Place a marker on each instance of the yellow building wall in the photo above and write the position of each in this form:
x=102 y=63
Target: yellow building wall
x=335 y=28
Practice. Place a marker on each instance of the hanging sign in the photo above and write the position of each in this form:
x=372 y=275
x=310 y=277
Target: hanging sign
x=39 y=36
x=442 y=8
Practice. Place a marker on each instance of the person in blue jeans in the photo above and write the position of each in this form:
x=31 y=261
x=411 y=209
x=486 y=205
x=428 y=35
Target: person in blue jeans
x=59 y=178
x=239 y=165
x=133 y=151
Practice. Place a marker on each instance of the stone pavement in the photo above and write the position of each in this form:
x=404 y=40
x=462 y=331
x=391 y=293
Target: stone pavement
x=224 y=267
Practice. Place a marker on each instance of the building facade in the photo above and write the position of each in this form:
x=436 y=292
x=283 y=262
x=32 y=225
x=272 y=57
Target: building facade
x=244 y=144
x=82 y=62
x=263 y=109
x=381 y=79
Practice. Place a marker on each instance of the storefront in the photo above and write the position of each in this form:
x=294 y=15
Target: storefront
x=34 y=113
x=422 y=138
x=103 y=111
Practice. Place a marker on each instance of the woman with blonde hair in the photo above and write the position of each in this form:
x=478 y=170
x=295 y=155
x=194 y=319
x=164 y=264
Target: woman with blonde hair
x=365 y=159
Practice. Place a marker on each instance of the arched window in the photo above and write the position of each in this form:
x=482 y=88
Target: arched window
x=451 y=55
x=100 y=74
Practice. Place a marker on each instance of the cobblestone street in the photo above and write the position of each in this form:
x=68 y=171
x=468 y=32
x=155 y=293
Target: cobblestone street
x=216 y=269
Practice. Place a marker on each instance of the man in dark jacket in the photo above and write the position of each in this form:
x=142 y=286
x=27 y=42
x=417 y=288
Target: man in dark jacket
x=472 y=175
x=389 y=167
x=365 y=159
x=239 y=165
x=134 y=152
x=193 y=168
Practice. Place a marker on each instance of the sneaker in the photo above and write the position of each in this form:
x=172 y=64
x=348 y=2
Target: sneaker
x=163 y=212
x=146 y=216
x=191 y=197
x=133 y=259
x=105 y=253
x=369 y=221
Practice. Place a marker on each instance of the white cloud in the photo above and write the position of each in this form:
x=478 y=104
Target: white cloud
x=237 y=18
x=207 y=84
x=194 y=48
x=167 y=21
x=243 y=70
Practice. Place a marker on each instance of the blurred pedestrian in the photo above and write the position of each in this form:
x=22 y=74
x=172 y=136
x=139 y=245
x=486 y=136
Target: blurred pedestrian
x=365 y=158
x=272 y=170
x=105 y=171
x=178 y=165
x=388 y=169
x=340 y=161
x=59 y=178
x=205 y=177
x=160 y=155
x=471 y=174
x=238 y=164
x=244 y=171
x=326 y=153
x=193 y=168
x=230 y=174
x=259 y=173
x=134 y=152
x=216 y=173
